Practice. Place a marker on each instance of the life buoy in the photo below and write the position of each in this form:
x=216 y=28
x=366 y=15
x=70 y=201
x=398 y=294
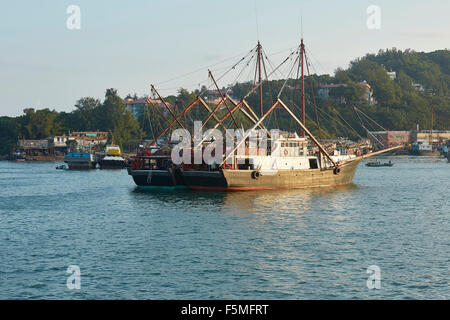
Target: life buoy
x=255 y=175
x=286 y=152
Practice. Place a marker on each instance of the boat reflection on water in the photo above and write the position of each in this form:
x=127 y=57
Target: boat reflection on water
x=296 y=201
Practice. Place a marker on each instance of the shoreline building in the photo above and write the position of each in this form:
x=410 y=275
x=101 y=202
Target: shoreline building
x=436 y=136
x=89 y=138
x=137 y=106
x=390 y=138
x=328 y=92
x=33 y=148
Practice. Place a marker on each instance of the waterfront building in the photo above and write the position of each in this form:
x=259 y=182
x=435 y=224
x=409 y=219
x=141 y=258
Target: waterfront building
x=89 y=138
x=137 y=106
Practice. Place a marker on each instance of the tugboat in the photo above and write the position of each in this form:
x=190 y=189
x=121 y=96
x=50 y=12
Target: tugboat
x=113 y=159
x=79 y=160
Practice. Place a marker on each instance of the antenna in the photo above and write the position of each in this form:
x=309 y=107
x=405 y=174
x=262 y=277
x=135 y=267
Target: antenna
x=301 y=25
x=257 y=24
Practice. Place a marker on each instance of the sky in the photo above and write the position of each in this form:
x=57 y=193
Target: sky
x=129 y=45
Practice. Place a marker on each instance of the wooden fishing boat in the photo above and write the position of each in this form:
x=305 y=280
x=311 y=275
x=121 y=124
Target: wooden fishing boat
x=289 y=162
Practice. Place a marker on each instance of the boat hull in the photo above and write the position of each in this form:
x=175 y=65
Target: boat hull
x=241 y=180
x=156 y=178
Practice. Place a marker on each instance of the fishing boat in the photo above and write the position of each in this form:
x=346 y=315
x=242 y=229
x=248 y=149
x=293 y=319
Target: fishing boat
x=79 y=160
x=289 y=161
x=425 y=148
x=113 y=158
x=377 y=163
x=155 y=169
x=288 y=165
x=17 y=156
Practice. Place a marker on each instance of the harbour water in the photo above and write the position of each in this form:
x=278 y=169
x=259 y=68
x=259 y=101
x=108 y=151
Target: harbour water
x=181 y=244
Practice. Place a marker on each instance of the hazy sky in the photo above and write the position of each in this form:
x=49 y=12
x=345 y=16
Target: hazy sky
x=130 y=44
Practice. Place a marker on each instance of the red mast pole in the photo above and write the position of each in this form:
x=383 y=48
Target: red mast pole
x=302 y=51
x=261 y=111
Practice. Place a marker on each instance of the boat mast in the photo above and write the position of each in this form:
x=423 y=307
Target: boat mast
x=261 y=111
x=302 y=52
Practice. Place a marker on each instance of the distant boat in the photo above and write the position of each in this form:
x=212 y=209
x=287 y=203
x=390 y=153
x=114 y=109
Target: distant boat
x=79 y=160
x=113 y=159
x=443 y=150
x=423 y=148
x=17 y=156
x=448 y=157
x=379 y=164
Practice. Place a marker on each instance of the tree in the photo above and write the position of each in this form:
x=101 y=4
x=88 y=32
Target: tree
x=9 y=131
x=39 y=124
x=111 y=116
x=85 y=111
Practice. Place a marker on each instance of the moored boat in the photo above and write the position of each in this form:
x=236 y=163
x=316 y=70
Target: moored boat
x=113 y=159
x=379 y=164
x=423 y=148
x=288 y=166
x=155 y=170
x=79 y=160
x=285 y=160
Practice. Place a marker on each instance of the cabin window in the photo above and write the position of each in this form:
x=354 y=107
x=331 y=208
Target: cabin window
x=313 y=164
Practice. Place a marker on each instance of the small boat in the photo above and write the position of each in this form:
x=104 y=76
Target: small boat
x=155 y=169
x=79 y=160
x=443 y=150
x=61 y=167
x=423 y=148
x=113 y=159
x=17 y=156
x=377 y=163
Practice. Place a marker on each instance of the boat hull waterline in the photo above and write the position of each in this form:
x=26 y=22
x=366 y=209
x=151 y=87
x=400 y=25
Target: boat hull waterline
x=247 y=180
